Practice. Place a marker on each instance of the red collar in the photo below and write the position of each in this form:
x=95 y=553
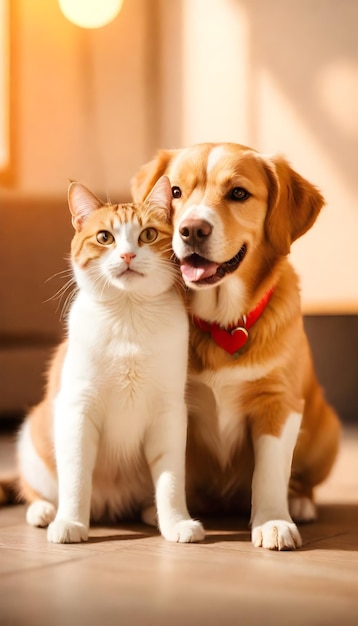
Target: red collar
x=234 y=338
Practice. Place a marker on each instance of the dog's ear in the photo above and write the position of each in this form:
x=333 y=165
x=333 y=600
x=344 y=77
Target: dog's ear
x=146 y=177
x=293 y=204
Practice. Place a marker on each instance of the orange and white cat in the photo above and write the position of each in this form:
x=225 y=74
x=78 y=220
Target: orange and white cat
x=113 y=421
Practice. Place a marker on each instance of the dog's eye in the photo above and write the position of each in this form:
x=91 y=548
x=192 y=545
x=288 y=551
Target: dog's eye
x=176 y=192
x=239 y=194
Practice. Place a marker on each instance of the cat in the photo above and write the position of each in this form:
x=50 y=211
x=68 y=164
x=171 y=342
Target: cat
x=108 y=439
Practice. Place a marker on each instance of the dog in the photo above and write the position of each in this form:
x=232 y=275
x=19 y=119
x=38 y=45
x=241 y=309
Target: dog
x=261 y=434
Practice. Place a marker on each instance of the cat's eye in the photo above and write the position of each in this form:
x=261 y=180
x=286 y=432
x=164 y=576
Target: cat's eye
x=104 y=237
x=148 y=235
x=239 y=194
x=176 y=192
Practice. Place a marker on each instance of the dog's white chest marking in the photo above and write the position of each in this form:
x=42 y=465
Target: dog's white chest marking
x=226 y=385
x=229 y=420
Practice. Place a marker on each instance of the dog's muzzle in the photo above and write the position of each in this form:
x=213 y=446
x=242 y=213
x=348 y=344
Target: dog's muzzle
x=196 y=267
x=204 y=272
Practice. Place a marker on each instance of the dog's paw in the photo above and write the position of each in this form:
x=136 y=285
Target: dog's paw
x=149 y=516
x=63 y=531
x=276 y=535
x=302 y=509
x=185 y=531
x=40 y=513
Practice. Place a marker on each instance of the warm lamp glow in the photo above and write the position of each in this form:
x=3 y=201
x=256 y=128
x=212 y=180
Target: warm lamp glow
x=90 y=13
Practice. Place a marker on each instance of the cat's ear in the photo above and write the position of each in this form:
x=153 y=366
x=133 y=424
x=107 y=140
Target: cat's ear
x=82 y=202
x=161 y=196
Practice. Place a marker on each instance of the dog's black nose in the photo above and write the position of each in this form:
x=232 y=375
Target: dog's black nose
x=195 y=230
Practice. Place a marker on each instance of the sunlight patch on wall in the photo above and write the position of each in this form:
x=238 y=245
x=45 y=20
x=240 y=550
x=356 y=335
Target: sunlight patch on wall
x=326 y=258
x=337 y=92
x=215 y=91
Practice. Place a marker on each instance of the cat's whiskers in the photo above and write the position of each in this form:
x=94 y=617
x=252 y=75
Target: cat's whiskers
x=99 y=281
x=61 y=292
x=67 y=304
x=67 y=273
x=173 y=268
x=107 y=283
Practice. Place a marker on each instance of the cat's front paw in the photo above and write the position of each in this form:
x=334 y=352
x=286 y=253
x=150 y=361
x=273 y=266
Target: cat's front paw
x=40 y=513
x=63 y=531
x=276 y=535
x=185 y=531
x=302 y=509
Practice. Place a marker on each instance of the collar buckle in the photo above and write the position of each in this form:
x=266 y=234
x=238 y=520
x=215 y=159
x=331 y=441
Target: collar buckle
x=240 y=329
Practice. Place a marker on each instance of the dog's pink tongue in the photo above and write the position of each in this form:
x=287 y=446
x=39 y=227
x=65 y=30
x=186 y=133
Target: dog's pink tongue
x=193 y=274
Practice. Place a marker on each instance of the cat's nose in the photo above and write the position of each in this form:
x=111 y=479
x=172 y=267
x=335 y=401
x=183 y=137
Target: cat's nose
x=127 y=257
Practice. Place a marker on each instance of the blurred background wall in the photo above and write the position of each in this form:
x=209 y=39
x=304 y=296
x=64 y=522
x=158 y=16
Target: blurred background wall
x=93 y=105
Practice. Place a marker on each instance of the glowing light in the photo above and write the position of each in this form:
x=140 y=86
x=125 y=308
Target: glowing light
x=90 y=13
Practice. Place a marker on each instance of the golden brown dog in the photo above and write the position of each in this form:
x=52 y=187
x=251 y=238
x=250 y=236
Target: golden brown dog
x=260 y=430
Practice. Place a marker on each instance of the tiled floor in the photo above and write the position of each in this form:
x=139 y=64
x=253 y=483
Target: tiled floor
x=127 y=574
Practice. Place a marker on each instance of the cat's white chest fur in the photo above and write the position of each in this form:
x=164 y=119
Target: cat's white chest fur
x=113 y=350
